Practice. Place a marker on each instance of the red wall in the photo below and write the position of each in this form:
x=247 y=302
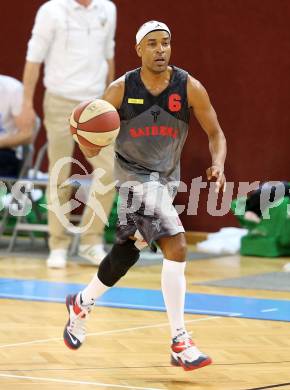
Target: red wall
x=239 y=49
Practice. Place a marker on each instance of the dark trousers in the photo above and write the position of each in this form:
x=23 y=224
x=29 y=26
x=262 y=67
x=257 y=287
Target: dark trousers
x=9 y=163
x=253 y=201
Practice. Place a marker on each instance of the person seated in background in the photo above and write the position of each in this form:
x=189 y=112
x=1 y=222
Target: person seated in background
x=255 y=208
x=13 y=131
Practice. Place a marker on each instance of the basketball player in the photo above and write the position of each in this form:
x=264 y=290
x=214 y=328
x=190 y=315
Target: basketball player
x=154 y=103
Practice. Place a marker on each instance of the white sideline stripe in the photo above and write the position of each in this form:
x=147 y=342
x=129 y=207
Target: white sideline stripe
x=107 y=332
x=30 y=298
x=269 y=310
x=121 y=305
x=162 y=308
x=76 y=382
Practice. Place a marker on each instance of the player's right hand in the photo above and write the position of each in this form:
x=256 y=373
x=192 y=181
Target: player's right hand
x=90 y=152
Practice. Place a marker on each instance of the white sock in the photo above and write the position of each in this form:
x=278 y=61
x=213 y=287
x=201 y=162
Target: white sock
x=173 y=288
x=93 y=291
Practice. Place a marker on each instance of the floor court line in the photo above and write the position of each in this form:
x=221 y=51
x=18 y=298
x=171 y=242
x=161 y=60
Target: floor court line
x=96 y=384
x=271 y=386
x=151 y=299
x=161 y=308
x=107 y=332
x=127 y=305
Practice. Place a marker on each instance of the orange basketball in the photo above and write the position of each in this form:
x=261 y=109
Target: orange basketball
x=94 y=123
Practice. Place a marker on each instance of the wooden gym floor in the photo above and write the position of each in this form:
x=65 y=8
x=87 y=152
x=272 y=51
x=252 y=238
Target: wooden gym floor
x=129 y=349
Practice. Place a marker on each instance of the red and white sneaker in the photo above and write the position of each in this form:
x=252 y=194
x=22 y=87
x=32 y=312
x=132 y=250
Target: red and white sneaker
x=74 y=332
x=186 y=355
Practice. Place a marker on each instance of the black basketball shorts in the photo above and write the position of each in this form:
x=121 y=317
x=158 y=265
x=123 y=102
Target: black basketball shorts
x=146 y=213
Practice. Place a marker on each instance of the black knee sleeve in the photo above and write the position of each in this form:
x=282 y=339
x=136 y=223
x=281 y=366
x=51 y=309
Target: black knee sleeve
x=117 y=262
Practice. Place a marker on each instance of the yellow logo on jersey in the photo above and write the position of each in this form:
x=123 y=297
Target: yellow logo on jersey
x=135 y=101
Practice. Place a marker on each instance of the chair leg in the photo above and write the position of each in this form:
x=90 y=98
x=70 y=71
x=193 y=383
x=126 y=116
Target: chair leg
x=74 y=245
x=13 y=239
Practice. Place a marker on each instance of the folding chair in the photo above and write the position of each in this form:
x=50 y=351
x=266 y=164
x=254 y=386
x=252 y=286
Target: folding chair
x=27 y=164
x=28 y=151
x=22 y=223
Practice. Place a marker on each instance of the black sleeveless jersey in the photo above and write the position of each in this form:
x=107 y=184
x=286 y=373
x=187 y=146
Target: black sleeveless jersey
x=153 y=129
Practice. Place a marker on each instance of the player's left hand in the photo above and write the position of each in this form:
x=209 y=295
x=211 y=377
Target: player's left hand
x=217 y=172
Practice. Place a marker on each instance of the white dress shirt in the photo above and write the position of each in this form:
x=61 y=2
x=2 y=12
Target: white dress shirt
x=74 y=42
x=11 y=95
x=11 y=91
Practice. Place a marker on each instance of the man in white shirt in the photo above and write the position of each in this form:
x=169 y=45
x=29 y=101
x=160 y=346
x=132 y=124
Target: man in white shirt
x=75 y=41
x=13 y=132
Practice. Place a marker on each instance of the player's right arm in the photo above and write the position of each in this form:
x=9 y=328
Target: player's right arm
x=113 y=94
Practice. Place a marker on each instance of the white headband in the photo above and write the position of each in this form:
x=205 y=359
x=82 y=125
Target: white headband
x=148 y=27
